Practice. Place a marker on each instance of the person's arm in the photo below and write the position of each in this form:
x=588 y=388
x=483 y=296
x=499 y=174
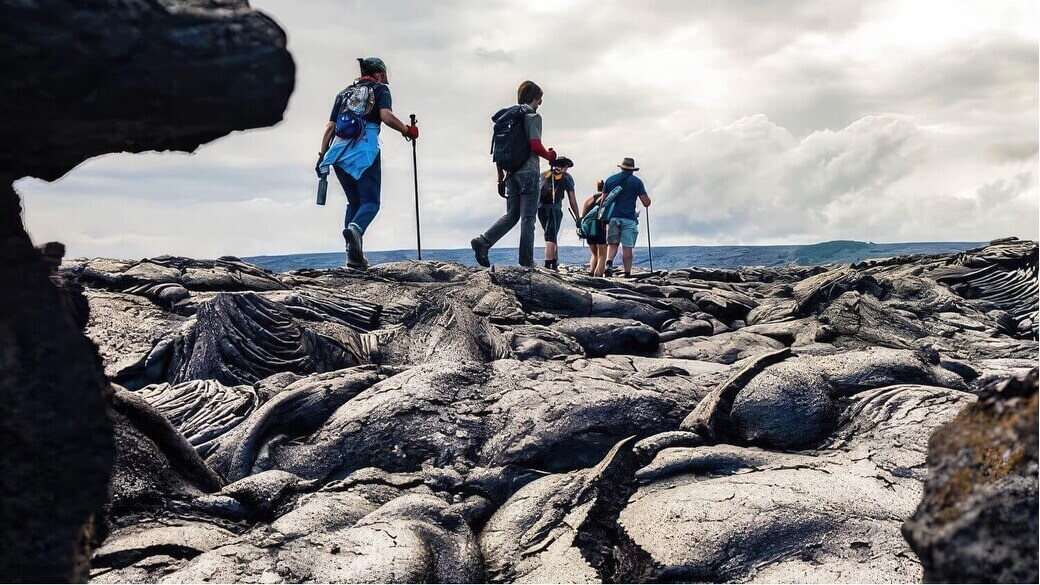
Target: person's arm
x=326 y=138
x=388 y=118
x=537 y=148
x=573 y=201
x=587 y=206
x=533 y=127
x=645 y=199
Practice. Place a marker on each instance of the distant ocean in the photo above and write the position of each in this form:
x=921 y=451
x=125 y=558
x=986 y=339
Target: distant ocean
x=667 y=257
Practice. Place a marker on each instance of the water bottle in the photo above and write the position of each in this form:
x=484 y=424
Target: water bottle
x=323 y=187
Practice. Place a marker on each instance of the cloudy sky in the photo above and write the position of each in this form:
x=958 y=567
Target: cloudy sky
x=753 y=122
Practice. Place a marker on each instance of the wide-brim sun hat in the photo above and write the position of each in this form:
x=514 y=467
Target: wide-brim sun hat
x=628 y=165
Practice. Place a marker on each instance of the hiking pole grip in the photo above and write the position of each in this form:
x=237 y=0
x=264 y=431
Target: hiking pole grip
x=415 y=178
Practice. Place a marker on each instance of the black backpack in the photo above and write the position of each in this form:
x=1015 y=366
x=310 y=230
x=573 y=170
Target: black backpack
x=510 y=147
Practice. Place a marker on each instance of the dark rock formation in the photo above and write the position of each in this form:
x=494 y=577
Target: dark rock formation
x=977 y=522
x=488 y=441
x=563 y=528
x=84 y=79
x=87 y=79
x=202 y=410
x=241 y=339
x=1003 y=274
x=600 y=336
x=724 y=513
x=807 y=408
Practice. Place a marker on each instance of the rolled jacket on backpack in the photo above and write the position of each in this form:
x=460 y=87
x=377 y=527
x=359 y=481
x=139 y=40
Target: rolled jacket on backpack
x=355 y=156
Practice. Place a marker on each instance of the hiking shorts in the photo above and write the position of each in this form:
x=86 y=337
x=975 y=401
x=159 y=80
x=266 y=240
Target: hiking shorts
x=550 y=216
x=600 y=237
x=622 y=230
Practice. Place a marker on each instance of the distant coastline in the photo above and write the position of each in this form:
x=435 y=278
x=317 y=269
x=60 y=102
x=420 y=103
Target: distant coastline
x=665 y=257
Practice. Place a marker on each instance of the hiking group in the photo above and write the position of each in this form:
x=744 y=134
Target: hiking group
x=608 y=219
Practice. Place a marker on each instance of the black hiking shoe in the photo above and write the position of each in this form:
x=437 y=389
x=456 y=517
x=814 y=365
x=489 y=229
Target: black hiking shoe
x=361 y=266
x=355 y=252
x=480 y=251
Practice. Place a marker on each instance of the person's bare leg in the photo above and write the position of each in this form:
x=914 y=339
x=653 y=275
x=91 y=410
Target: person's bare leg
x=626 y=258
x=550 y=251
x=601 y=260
x=612 y=253
x=592 y=257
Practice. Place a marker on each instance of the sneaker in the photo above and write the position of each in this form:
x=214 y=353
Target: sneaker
x=480 y=251
x=355 y=252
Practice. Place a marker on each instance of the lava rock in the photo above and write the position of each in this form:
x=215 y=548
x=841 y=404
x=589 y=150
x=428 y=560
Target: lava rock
x=977 y=521
x=600 y=336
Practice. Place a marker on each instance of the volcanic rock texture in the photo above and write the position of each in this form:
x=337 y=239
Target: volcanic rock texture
x=82 y=79
x=434 y=422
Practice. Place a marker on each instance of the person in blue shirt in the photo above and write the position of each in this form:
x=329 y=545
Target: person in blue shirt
x=623 y=225
x=356 y=162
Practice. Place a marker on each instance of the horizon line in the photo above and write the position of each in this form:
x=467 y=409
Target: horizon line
x=412 y=250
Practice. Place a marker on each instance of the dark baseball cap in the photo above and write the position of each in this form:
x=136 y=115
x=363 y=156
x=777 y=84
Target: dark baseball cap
x=373 y=65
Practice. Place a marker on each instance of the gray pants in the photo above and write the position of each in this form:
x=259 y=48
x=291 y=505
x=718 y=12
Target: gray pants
x=522 y=206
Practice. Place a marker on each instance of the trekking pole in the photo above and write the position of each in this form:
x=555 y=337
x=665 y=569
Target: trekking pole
x=415 y=177
x=649 y=246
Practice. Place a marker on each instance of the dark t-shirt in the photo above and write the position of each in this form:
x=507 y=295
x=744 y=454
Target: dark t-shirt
x=383 y=102
x=625 y=204
x=563 y=185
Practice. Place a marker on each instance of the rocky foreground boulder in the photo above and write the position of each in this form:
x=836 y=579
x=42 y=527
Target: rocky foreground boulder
x=972 y=523
x=437 y=422
x=82 y=79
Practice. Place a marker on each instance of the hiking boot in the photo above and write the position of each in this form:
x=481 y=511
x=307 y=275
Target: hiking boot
x=355 y=253
x=354 y=266
x=480 y=251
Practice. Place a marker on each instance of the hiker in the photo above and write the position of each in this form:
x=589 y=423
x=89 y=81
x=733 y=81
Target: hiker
x=350 y=145
x=597 y=240
x=623 y=225
x=516 y=148
x=555 y=182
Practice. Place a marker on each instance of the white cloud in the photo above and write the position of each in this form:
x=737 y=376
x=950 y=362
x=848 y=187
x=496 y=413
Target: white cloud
x=753 y=122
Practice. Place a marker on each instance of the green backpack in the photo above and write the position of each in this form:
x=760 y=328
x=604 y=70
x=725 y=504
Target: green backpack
x=603 y=210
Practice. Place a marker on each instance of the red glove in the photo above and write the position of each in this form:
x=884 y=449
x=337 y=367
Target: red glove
x=537 y=148
x=411 y=132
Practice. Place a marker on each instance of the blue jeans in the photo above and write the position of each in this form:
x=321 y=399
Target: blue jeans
x=622 y=230
x=362 y=195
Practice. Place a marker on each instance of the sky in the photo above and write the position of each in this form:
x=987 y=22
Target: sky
x=752 y=122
